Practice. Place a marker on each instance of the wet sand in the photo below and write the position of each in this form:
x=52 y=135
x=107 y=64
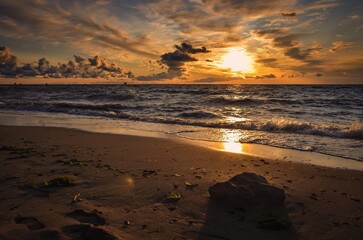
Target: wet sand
x=116 y=187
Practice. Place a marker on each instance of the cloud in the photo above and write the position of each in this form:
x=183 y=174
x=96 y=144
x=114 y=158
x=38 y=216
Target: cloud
x=266 y=60
x=187 y=48
x=80 y=67
x=80 y=60
x=318 y=74
x=263 y=76
x=286 y=40
x=124 y=29
x=175 y=62
x=8 y=61
x=281 y=39
x=297 y=53
x=355 y=17
x=320 y=4
x=217 y=79
x=74 y=23
x=248 y=8
x=292 y=14
x=339 y=45
x=351 y=67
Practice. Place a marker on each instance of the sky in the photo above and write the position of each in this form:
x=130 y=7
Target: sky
x=181 y=41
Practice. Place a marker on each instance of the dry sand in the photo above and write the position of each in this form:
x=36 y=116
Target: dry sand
x=120 y=186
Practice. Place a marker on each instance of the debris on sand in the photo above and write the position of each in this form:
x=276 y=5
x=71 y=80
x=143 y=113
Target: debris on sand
x=190 y=185
x=149 y=173
x=59 y=182
x=174 y=197
x=77 y=198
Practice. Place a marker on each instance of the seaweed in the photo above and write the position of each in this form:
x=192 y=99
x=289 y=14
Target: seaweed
x=190 y=185
x=59 y=182
x=174 y=197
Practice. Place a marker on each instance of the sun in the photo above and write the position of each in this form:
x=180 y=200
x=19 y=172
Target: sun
x=237 y=60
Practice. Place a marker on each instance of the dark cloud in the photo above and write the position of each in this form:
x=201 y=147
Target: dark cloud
x=80 y=67
x=289 y=44
x=286 y=40
x=266 y=60
x=80 y=60
x=265 y=76
x=43 y=65
x=176 y=58
x=269 y=32
x=292 y=14
x=95 y=61
x=187 y=48
x=304 y=54
x=280 y=37
x=175 y=62
x=8 y=62
x=297 y=53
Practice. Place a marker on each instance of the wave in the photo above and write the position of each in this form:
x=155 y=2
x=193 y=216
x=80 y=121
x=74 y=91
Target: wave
x=353 y=131
x=114 y=96
x=66 y=106
x=314 y=102
x=198 y=114
x=190 y=117
x=248 y=100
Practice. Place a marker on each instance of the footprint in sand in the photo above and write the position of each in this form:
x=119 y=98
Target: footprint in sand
x=31 y=222
x=35 y=192
x=48 y=234
x=87 y=232
x=93 y=217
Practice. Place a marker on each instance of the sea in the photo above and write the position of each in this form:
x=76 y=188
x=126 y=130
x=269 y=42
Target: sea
x=319 y=118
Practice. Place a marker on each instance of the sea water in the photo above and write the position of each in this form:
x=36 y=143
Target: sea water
x=319 y=118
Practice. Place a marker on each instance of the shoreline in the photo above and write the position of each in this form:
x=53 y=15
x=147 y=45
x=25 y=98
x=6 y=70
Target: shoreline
x=127 y=128
x=123 y=182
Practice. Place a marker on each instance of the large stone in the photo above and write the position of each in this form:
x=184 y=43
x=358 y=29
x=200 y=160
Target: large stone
x=247 y=188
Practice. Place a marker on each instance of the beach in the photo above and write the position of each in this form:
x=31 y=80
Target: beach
x=181 y=120
x=113 y=186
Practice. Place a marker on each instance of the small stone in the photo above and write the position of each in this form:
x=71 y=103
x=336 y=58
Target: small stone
x=127 y=223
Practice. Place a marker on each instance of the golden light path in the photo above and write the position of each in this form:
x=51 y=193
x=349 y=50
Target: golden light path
x=237 y=60
x=230 y=141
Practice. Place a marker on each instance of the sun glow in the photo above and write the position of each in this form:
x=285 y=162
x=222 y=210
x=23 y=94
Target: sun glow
x=237 y=60
x=230 y=141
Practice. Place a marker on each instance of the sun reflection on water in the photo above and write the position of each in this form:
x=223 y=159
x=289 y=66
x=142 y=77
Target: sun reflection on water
x=232 y=147
x=230 y=140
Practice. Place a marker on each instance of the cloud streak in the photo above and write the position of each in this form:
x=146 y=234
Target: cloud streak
x=72 y=23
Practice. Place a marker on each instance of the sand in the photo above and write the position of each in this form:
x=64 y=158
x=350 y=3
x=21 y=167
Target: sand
x=116 y=187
